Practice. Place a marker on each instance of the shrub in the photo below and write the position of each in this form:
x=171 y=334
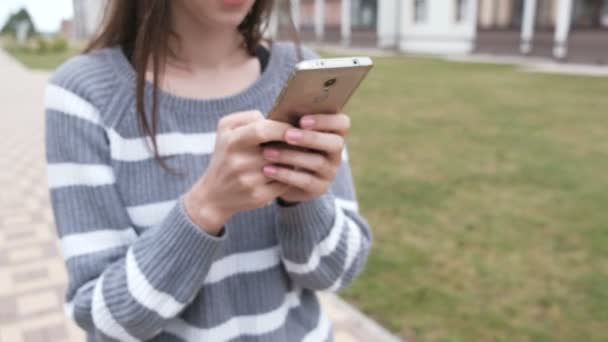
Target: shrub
x=59 y=45
x=38 y=46
x=41 y=46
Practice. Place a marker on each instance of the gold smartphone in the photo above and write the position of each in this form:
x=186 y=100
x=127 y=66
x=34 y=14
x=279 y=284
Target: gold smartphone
x=319 y=86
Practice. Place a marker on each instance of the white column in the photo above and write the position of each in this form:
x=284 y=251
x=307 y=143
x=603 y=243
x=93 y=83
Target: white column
x=472 y=14
x=562 y=28
x=527 y=26
x=273 y=23
x=387 y=23
x=405 y=28
x=295 y=14
x=398 y=18
x=345 y=23
x=319 y=19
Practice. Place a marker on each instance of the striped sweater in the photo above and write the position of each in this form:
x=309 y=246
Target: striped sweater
x=139 y=269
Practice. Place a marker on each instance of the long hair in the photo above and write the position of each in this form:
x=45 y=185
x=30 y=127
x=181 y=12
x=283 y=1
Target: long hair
x=142 y=28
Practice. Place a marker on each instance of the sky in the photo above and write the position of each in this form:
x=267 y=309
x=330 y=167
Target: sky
x=47 y=14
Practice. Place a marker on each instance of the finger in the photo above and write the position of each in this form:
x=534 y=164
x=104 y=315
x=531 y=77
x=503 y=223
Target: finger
x=238 y=119
x=260 y=132
x=310 y=161
x=325 y=142
x=337 y=123
x=297 y=178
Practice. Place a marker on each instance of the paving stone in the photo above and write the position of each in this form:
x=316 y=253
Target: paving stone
x=41 y=301
x=8 y=308
x=344 y=336
x=30 y=275
x=27 y=253
x=56 y=332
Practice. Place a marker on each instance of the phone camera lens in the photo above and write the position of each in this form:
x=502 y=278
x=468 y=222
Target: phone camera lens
x=355 y=61
x=330 y=82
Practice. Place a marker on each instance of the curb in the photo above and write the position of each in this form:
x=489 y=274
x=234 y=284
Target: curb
x=357 y=319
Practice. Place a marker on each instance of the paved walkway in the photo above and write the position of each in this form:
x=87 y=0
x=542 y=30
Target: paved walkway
x=32 y=275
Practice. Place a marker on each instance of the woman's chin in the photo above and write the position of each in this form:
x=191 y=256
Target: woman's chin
x=224 y=18
x=233 y=11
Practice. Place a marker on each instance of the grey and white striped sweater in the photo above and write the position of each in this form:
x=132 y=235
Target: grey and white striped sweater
x=138 y=268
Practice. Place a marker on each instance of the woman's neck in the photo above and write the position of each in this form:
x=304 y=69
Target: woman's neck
x=210 y=61
x=204 y=47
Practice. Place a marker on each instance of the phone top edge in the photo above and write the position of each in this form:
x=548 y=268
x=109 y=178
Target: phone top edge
x=331 y=63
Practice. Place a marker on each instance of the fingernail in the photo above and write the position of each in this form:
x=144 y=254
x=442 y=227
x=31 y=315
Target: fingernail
x=271 y=153
x=307 y=122
x=294 y=134
x=270 y=170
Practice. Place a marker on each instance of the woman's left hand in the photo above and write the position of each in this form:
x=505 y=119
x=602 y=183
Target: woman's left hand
x=309 y=173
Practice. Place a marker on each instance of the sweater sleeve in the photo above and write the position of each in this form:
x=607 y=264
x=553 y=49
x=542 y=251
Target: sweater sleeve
x=325 y=242
x=121 y=285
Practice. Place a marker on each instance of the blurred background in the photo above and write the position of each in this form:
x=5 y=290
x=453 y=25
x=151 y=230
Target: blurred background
x=479 y=149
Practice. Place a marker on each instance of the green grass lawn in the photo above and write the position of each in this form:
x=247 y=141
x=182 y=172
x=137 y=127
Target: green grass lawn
x=487 y=189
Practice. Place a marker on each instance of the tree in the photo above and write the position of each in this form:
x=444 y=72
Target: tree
x=11 y=24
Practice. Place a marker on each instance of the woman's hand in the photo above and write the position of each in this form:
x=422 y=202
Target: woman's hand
x=234 y=180
x=313 y=171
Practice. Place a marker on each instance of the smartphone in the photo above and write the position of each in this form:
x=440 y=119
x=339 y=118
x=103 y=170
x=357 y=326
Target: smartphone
x=319 y=86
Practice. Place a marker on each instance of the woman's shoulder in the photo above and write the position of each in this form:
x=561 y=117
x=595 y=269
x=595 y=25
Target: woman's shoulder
x=94 y=66
x=86 y=78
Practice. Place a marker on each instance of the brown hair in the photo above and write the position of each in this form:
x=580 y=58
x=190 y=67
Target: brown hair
x=142 y=29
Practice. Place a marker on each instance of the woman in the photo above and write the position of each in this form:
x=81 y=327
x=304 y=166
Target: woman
x=175 y=224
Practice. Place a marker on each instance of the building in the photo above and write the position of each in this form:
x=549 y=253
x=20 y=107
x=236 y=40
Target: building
x=573 y=30
x=66 y=30
x=87 y=16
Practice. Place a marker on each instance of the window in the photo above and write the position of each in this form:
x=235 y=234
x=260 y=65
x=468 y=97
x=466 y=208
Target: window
x=589 y=14
x=420 y=11
x=461 y=10
x=364 y=14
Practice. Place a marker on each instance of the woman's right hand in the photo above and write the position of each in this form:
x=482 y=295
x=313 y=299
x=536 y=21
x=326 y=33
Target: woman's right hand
x=234 y=180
